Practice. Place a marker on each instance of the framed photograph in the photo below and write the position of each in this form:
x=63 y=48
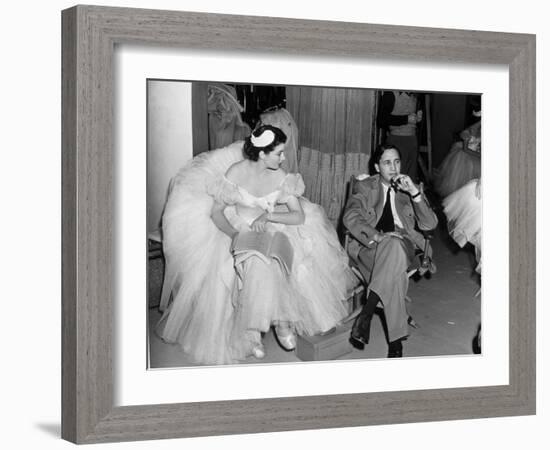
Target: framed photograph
x=139 y=101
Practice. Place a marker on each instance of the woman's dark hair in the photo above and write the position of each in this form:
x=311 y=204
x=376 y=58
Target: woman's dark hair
x=252 y=151
x=377 y=155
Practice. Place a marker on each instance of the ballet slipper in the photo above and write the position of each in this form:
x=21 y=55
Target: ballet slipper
x=286 y=338
x=258 y=351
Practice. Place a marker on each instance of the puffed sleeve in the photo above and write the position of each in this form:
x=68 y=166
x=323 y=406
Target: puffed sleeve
x=292 y=186
x=223 y=191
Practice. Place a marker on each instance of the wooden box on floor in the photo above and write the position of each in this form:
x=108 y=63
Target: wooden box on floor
x=325 y=347
x=333 y=344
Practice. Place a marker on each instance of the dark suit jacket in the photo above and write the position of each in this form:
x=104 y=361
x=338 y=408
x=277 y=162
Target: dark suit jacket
x=365 y=206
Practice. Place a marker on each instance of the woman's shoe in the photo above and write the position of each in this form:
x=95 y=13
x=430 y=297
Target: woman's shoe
x=286 y=338
x=258 y=351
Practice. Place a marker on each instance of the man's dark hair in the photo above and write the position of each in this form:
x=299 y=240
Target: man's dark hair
x=377 y=155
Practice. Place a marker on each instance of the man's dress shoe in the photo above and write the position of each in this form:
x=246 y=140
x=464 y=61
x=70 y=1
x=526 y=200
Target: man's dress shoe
x=395 y=350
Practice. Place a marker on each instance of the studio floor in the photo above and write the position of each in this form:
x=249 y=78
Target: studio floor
x=445 y=307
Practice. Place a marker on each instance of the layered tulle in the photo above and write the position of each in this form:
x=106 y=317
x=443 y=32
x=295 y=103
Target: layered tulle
x=463 y=211
x=199 y=278
x=205 y=310
x=459 y=166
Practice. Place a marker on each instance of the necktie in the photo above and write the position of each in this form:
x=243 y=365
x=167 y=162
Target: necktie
x=386 y=223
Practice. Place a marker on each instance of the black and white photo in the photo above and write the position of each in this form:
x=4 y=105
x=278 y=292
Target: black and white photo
x=376 y=193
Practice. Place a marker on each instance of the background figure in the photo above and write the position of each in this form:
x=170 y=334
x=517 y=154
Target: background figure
x=225 y=124
x=463 y=211
x=398 y=115
x=463 y=162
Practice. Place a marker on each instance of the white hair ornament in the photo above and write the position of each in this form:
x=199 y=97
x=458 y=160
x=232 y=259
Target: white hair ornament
x=263 y=140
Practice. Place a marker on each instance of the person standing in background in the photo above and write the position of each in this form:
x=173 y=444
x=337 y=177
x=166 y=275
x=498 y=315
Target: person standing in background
x=398 y=115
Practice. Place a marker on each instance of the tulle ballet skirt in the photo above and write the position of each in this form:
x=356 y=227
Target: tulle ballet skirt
x=459 y=166
x=208 y=310
x=463 y=211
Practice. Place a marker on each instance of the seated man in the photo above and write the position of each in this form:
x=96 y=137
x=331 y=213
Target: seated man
x=381 y=216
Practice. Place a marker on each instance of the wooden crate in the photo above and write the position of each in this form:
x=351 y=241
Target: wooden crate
x=325 y=347
x=333 y=344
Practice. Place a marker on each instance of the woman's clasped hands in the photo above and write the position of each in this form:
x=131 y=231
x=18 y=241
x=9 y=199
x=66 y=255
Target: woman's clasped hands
x=260 y=223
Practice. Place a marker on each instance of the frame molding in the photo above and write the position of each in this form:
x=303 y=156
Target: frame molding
x=89 y=37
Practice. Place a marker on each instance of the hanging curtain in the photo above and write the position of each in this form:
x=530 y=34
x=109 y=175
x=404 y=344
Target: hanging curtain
x=336 y=139
x=333 y=120
x=326 y=177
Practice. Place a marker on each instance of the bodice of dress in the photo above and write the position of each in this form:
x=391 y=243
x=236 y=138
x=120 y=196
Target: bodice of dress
x=248 y=206
x=251 y=207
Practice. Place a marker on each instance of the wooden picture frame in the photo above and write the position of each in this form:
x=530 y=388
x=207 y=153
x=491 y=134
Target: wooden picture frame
x=90 y=34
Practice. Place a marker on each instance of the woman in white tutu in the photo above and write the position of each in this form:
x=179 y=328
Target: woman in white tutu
x=463 y=211
x=216 y=308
